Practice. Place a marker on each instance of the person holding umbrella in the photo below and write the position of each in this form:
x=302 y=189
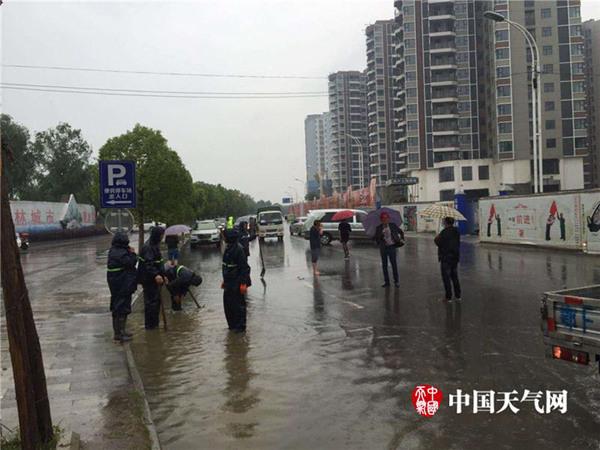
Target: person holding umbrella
x=345 y=217
x=388 y=236
x=448 y=243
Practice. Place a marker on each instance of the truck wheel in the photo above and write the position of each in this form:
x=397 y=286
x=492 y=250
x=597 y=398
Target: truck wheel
x=326 y=239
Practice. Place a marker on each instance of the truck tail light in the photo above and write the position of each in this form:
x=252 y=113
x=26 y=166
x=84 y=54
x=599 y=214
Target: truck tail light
x=551 y=324
x=567 y=354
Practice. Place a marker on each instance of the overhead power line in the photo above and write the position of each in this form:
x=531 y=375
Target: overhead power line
x=156 y=95
x=151 y=72
x=152 y=91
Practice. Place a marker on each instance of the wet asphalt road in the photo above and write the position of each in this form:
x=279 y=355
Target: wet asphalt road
x=331 y=363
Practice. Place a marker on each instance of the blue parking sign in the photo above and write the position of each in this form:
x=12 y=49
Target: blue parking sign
x=117 y=184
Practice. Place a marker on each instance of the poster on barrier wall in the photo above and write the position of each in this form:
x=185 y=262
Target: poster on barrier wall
x=550 y=220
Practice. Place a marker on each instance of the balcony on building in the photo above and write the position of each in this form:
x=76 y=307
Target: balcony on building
x=444 y=44
x=445 y=127
x=444 y=95
x=441 y=28
x=443 y=111
x=447 y=78
x=445 y=143
x=441 y=11
x=443 y=62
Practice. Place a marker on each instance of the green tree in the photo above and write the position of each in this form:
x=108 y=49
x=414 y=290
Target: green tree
x=65 y=159
x=22 y=164
x=160 y=173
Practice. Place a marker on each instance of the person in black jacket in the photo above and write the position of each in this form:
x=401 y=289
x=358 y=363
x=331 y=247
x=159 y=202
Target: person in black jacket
x=345 y=228
x=389 y=237
x=236 y=280
x=180 y=279
x=448 y=243
x=122 y=282
x=151 y=276
x=244 y=237
x=172 y=241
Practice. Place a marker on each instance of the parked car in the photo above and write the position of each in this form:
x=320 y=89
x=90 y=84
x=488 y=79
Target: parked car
x=297 y=225
x=330 y=227
x=205 y=232
x=221 y=222
x=22 y=240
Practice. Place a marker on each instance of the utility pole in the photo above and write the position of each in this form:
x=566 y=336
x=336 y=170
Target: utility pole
x=140 y=219
x=35 y=421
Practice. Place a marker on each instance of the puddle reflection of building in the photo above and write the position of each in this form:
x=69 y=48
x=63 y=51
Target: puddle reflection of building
x=240 y=397
x=347 y=284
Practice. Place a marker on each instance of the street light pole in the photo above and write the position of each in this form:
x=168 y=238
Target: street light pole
x=536 y=99
x=361 y=161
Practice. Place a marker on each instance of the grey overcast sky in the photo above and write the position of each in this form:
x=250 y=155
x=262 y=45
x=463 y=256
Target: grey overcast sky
x=254 y=145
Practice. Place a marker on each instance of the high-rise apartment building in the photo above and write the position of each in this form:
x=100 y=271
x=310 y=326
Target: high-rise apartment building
x=464 y=89
x=315 y=149
x=348 y=152
x=591 y=32
x=381 y=56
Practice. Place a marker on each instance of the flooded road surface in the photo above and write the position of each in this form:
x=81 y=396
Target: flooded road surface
x=331 y=363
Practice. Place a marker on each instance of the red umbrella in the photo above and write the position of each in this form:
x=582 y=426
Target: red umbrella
x=342 y=215
x=553 y=208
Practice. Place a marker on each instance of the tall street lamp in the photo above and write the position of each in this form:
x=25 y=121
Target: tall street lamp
x=361 y=161
x=536 y=99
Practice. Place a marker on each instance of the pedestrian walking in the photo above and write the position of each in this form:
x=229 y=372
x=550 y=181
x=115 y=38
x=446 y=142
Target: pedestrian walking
x=316 y=230
x=151 y=276
x=549 y=222
x=172 y=241
x=122 y=281
x=448 y=243
x=563 y=230
x=236 y=280
x=180 y=279
x=389 y=237
x=345 y=229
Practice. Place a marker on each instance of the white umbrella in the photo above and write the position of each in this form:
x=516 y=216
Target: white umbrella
x=440 y=211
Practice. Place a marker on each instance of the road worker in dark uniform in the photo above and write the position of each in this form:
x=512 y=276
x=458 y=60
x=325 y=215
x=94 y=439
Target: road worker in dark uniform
x=245 y=238
x=236 y=280
x=180 y=279
x=151 y=276
x=122 y=282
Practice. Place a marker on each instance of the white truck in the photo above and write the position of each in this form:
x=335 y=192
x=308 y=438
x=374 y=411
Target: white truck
x=571 y=324
x=269 y=223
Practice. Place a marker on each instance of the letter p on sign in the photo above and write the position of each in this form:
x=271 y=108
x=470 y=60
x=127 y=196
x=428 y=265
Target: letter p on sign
x=115 y=171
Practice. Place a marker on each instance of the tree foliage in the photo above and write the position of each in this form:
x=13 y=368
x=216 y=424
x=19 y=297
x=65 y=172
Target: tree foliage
x=210 y=201
x=64 y=157
x=22 y=165
x=167 y=185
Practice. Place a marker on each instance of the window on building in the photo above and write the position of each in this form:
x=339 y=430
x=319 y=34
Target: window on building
x=446 y=195
x=505 y=146
x=504 y=109
x=503 y=91
x=413 y=141
x=411 y=92
x=502 y=53
x=578 y=68
x=548 y=106
x=550 y=125
x=548 y=68
x=501 y=35
x=409 y=26
x=546 y=13
x=577 y=49
x=464 y=123
x=446 y=174
x=574 y=12
x=576 y=30
x=503 y=72
x=551 y=143
x=581 y=142
x=550 y=166
x=411 y=76
x=379 y=60
x=546 y=31
x=463 y=90
x=410 y=59
x=579 y=105
x=580 y=124
x=484 y=172
x=413 y=125
x=548 y=87
x=548 y=50
x=409 y=43
x=504 y=127
x=467 y=173
x=411 y=108
x=578 y=86
x=462 y=74
x=409 y=10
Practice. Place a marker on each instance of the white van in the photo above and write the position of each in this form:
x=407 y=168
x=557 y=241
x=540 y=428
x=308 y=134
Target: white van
x=330 y=227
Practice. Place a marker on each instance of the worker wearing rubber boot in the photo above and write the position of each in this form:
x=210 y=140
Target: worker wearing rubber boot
x=236 y=279
x=180 y=279
x=122 y=282
x=151 y=276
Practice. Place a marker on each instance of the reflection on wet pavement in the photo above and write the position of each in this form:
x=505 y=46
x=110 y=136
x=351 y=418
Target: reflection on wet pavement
x=331 y=362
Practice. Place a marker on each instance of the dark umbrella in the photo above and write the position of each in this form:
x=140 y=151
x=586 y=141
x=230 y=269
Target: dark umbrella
x=373 y=219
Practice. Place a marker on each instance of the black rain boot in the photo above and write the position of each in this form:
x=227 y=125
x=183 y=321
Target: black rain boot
x=124 y=331
x=116 y=329
x=124 y=337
